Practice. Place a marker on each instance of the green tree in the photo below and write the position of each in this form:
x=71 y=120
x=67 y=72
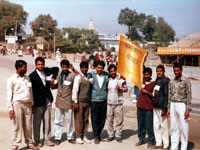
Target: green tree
x=12 y=19
x=133 y=21
x=142 y=27
x=164 y=33
x=44 y=26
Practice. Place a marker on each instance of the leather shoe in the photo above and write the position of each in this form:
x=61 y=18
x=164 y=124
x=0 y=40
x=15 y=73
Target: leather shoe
x=72 y=141
x=57 y=142
x=109 y=139
x=96 y=141
x=119 y=140
x=139 y=143
x=150 y=145
x=49 y=143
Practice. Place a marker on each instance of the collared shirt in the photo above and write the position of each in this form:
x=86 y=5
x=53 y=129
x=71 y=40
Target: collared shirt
x=100 y=79
x=77 y=81
x=42 y=76
x=114 y=96
x=18 y=89
x=180 y=92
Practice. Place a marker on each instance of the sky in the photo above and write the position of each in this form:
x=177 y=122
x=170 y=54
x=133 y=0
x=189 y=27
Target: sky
x=182 y=15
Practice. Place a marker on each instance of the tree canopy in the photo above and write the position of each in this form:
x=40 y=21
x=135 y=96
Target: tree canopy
x=12 y=19
x=142 y=27
x=44 y=26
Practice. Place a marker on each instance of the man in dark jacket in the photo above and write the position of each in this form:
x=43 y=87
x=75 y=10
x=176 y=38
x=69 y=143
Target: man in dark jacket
x=160 y=109
x=41 y=80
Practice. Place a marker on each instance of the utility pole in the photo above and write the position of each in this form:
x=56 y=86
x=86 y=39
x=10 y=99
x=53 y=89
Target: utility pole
x=16 y=28
x=47 y=33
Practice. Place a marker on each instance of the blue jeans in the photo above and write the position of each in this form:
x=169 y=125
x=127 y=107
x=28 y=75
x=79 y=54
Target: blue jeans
x=145 y=122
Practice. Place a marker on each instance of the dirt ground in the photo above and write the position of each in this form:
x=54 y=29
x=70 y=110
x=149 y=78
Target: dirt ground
x=129 y=134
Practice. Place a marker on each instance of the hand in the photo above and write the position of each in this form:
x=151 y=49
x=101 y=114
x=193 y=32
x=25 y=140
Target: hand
x=75 y=106
x=187 y=114
x=117 y=87
x=52 y=83
x=12 y=114
x=168 y=113
x=143 y=90
x=163 y=114
x=71 y=67
x=33 y=110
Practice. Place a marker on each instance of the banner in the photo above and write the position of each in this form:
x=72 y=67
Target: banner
x=130 y=61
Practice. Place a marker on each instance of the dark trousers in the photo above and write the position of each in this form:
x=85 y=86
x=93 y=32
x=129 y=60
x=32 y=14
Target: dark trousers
x=98 y=117
x=81 y=119
x=145 y=122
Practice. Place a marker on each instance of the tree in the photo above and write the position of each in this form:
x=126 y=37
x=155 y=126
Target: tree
x=44 y=26
x=133 y=21
x=164 y=33
x=144 y=27
x=12 y=19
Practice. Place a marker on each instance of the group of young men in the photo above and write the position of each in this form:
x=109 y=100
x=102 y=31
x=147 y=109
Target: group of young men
x=162 y=99
x=76 y=93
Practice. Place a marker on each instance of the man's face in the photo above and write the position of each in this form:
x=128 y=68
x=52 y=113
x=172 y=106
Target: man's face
x=159 y=72
x=40 y=65
x=99 y=69
x=147 y=76
x=65 y=68
x=113 y=73
x=84 y=70
x=178 y=72
x=22 y=70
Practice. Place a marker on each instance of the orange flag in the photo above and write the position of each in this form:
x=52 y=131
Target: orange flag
x=130 y=61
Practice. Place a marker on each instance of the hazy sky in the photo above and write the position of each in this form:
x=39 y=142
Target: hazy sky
x=182 y=15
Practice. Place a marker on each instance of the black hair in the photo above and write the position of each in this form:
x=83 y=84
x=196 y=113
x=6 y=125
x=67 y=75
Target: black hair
x=112 y=66
x=65 y=62
x=160 y=67
x=179 y=65
x=147 y=69
x=39 y=59
x=20 y=63
x=84 y=64
x=96 y=63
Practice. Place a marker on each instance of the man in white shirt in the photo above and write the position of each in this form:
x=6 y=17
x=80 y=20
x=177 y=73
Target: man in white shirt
x=81 y=99
x=19 y=102
x=116 y=87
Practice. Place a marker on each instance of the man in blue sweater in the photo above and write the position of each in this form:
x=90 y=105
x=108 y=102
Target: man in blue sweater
x=99 y=80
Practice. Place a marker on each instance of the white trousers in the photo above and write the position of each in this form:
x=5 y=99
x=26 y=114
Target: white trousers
x=60 y=116
x=160 y=125
x=179 y=126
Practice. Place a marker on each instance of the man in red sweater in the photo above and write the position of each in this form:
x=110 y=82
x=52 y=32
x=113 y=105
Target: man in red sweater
x=145 y=109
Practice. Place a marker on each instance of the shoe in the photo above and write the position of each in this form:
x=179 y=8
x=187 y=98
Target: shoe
x=102 y=140
x=57 y=142
x=72 y=141
x=79 y=141
x=49 y=143
x=165 y=148
x=38 y=144
x=33 y=147
x=157 y=147
x=15 y=148
x=85 y=140
x=119 y=140
x=139 y=143
x=150 y=145
x=109 y=139
x=96 y=141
